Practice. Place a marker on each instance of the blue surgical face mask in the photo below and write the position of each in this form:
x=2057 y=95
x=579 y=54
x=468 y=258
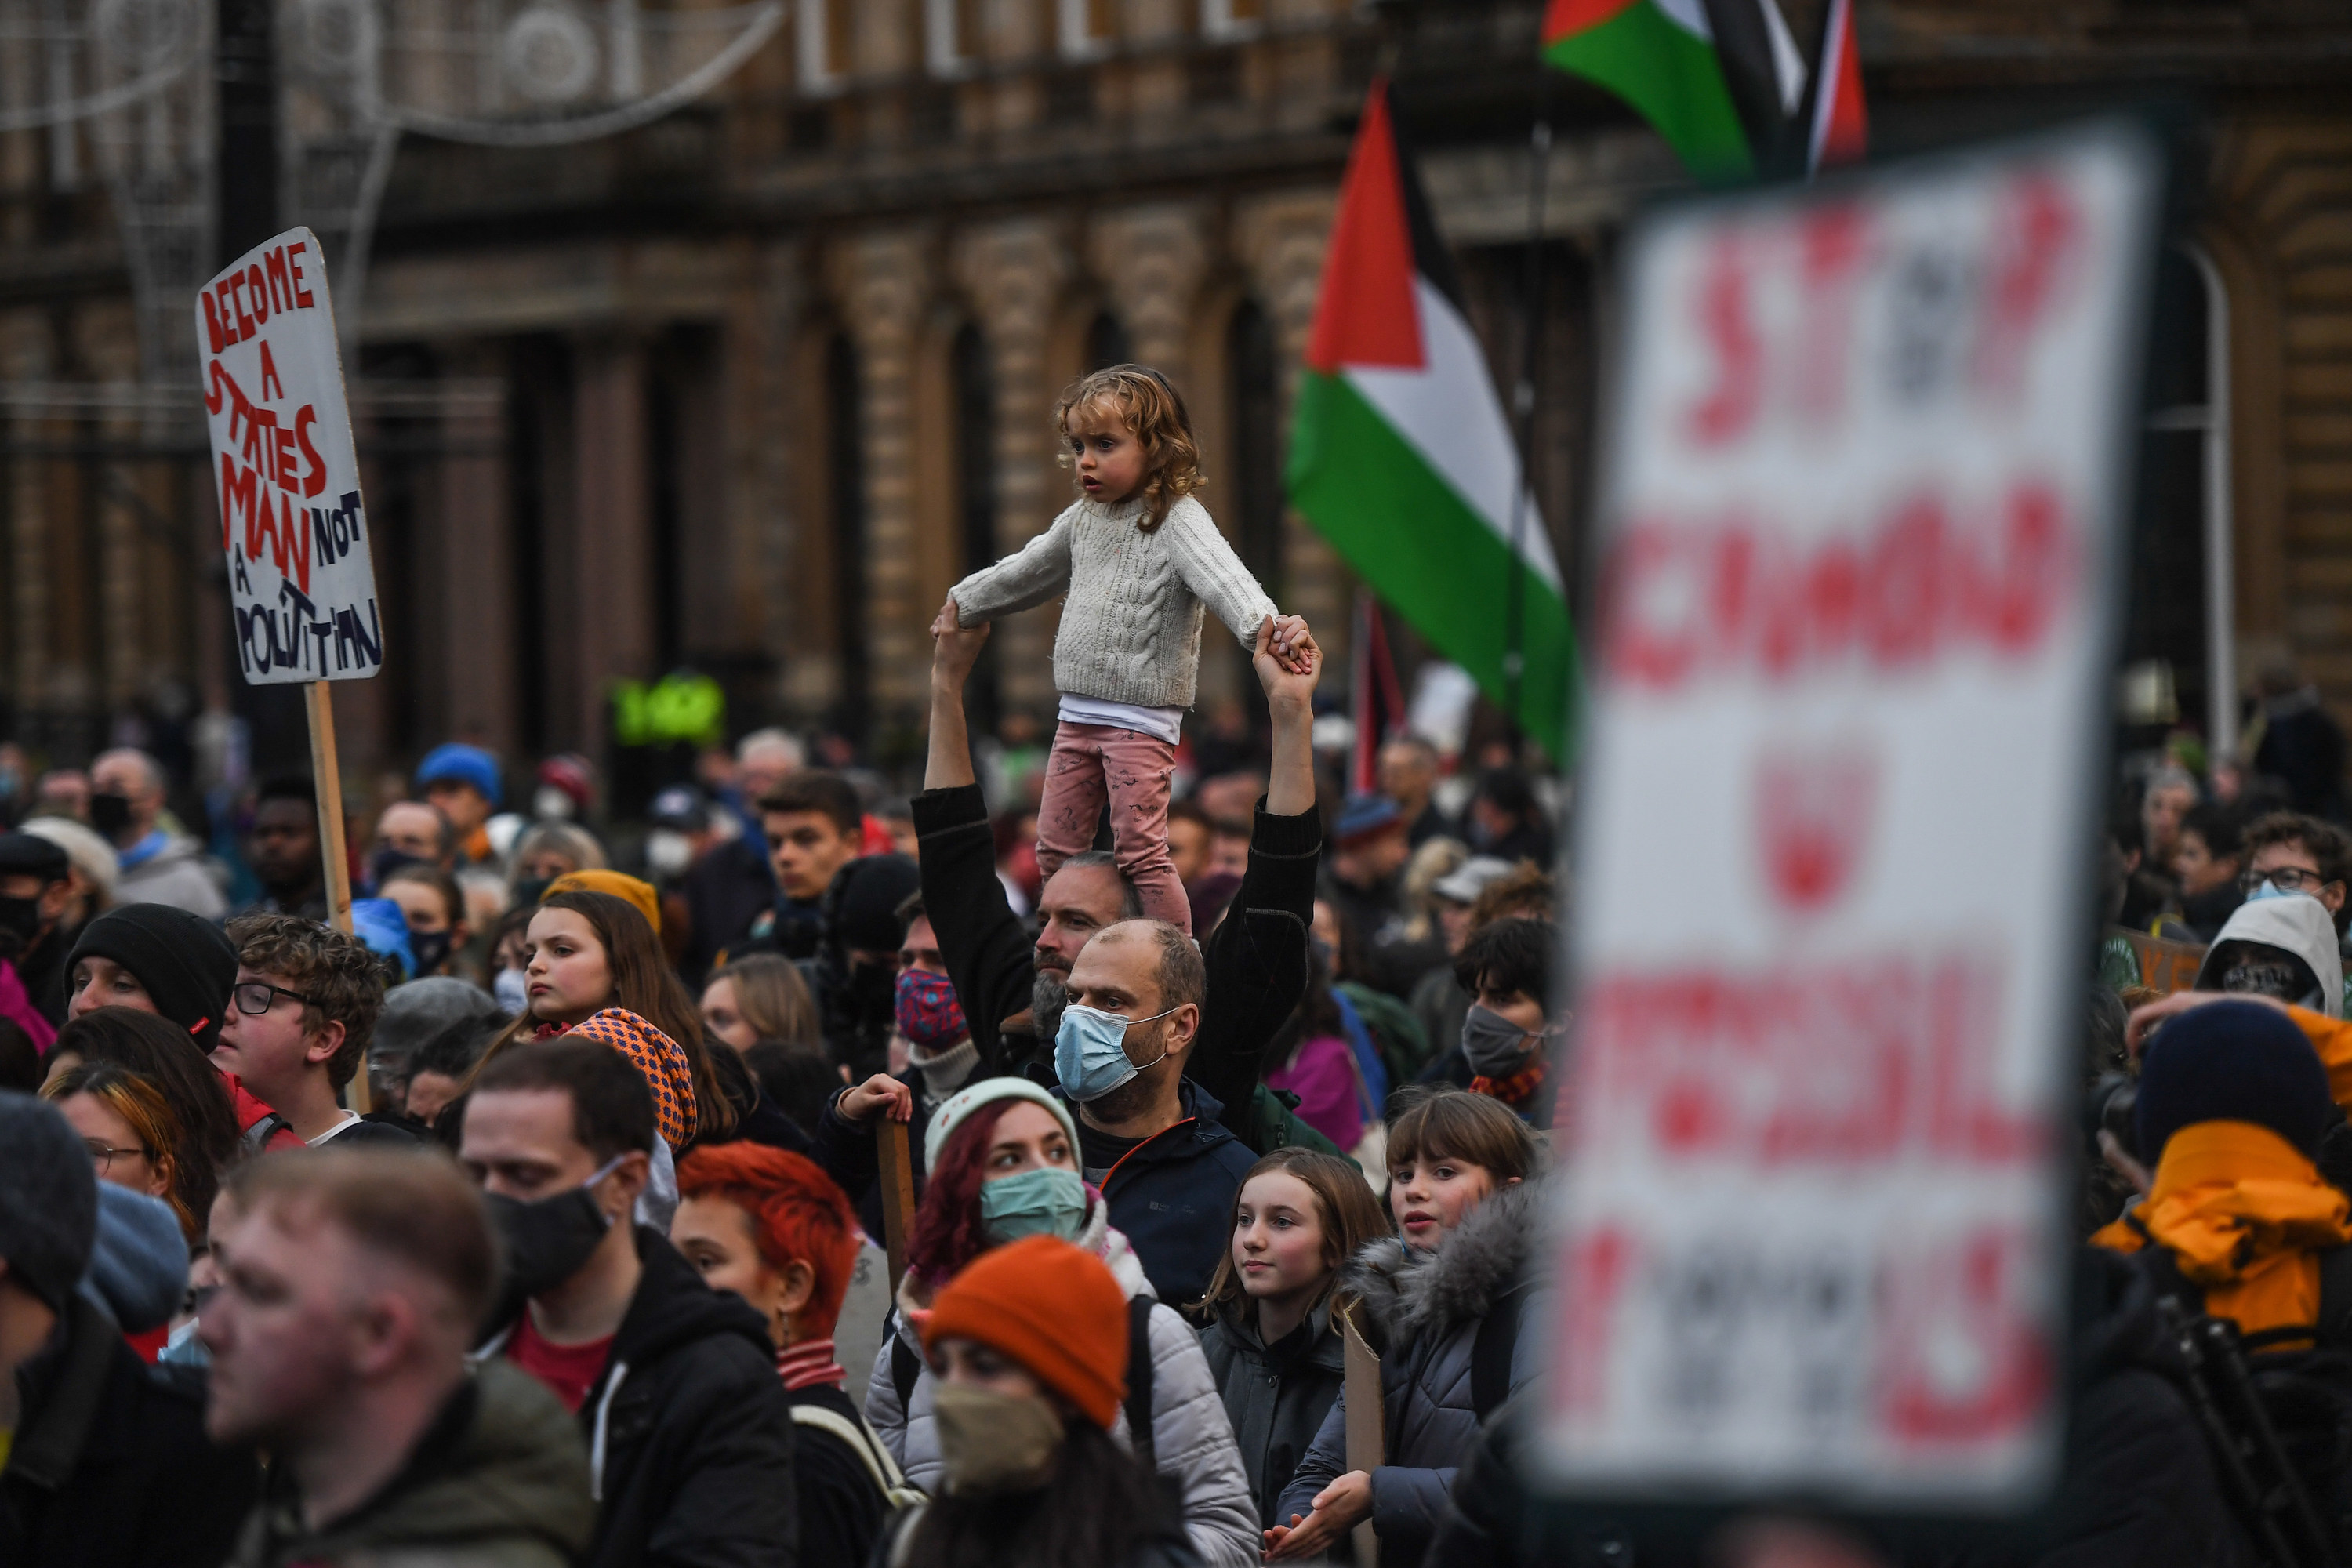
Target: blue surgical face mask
x=2272 y=890
x=1091 y=1053
x=1044 y=1201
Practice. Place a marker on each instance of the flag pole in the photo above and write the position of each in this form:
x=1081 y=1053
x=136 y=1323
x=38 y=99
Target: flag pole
x=1523 y=398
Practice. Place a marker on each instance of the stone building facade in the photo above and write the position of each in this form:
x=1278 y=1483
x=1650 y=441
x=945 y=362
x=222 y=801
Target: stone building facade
x=747 y=388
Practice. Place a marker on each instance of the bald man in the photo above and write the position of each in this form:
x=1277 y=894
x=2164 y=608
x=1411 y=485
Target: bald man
x=160 y=866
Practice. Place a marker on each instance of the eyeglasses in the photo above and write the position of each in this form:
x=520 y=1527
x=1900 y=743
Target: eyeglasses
x=258 y=997
x=2286 y=878
x=103 y=1156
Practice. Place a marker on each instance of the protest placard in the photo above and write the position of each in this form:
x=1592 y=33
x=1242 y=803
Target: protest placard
x=1859 y=571
x=301 y=579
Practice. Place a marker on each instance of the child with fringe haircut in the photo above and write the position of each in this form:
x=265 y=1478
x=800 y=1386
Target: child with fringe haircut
x=1138 y=558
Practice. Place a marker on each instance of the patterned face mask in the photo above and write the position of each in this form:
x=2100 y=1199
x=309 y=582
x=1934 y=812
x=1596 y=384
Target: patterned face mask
x=927 y=1010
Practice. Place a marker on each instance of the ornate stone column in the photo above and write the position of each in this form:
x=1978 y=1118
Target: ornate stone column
x=474 y=551
x=600 y=579
x=1014 y=272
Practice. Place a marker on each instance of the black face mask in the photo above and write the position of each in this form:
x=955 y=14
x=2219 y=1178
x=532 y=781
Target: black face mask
x=20 y=924
x=431 y=949
x=874 y=990
x=109 y=814
x=548 y=1240
x=527 y=891
x=384 y=862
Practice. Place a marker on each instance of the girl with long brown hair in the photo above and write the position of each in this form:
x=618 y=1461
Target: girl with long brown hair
x=595 y=969
x=1274 y=1340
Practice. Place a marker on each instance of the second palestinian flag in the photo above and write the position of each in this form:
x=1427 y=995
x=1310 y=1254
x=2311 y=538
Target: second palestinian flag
x=1400 y=455
x=1658 y=56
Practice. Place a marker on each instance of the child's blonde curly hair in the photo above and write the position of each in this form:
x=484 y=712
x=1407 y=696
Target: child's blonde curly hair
x=1153 y=412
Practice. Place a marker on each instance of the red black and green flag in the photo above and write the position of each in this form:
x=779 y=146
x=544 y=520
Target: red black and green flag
x=1401 y=454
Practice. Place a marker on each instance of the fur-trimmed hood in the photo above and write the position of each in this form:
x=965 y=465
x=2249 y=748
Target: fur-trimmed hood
x=1407 y=1293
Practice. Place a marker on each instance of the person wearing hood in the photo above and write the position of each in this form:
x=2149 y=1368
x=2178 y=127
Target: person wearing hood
x=2283 y=947
x=1274 y=1342
x=159 y=864
x=1004 y=1155
x=350 y=1280
x=1443 y=1305
x=35 y=884
x=165 y=961
x=688 y=1429
x=854 y=973
x=1033 y=1355
x=103 y=1460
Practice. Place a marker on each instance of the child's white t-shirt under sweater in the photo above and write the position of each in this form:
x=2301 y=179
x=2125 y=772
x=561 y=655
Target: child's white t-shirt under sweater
x=1130 y=632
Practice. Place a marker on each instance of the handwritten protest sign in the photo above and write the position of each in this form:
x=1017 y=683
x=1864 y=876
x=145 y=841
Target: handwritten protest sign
x=1859 y=561
x=292 y=524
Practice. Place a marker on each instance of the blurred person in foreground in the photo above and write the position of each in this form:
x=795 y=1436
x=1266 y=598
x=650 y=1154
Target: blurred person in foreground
x=159 y=863
x=350 y=1283
x=773 y=1228
x=674 y=1385
x=35 y=885
x=462 y=783
x=282 y=846
x=1030 y=1349
x=107 y=1462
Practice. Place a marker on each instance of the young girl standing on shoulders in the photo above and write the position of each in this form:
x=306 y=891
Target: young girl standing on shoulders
x=1138 y=557
x=1274 y=1343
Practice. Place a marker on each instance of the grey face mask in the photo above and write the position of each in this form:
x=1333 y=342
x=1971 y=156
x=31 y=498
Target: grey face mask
x=1495 y=1046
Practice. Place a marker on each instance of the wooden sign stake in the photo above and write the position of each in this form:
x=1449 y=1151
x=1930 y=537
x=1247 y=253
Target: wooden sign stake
x=898 y=1194
x=327 y=779
x=1367 y=1425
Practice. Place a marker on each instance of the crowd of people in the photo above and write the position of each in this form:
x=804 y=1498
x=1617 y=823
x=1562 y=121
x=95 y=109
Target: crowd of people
x=560 y=1213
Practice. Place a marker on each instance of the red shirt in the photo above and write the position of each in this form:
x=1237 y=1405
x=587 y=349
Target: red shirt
x=570 y=1369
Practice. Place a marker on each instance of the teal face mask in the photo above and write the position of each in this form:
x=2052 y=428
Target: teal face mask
x=1041 y=1202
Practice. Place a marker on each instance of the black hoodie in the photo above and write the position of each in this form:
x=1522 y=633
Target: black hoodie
x=689 y=1434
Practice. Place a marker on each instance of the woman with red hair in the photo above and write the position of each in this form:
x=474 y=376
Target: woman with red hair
x=1003 y=1159
x=773 y=1227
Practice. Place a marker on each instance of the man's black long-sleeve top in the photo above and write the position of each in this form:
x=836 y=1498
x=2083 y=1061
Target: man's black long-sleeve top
x=1256 y=959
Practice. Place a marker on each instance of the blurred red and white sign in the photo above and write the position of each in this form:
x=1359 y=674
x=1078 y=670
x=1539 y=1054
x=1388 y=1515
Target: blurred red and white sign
x=286 y=475
x=1867 y=474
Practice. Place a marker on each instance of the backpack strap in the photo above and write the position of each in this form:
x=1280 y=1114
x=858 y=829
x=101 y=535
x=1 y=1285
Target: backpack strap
x=1139 y=1381
x=906 y=1366
x=256 y=1138
x=879 y=1466
x=1490 y=1354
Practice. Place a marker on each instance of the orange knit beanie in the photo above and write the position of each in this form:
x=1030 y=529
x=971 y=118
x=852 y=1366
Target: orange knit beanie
x=1051 y=1306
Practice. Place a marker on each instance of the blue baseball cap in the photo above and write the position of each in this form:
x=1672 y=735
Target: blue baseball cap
x=462 y=765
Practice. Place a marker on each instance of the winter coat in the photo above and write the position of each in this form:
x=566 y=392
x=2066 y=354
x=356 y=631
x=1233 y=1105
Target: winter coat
x=1173 y=1195
x=1276 y=1395
x=689 y=1434
x=1255 y=960
x=179 y=874
x=841 y=1509
x=1156 y=1550
x=110 y=1467
x=498 y=1480
x=1424 y=1310
x=1192 y=1441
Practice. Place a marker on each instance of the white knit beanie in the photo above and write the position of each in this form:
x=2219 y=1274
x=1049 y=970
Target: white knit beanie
x=960 y=1105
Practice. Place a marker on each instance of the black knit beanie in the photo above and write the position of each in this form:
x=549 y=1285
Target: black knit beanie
x=2232 y=1061
x=861 y=905
x=49 y=1198
x=185 y=962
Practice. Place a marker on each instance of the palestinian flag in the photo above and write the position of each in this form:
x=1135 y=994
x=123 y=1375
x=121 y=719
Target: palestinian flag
x=1659 y=57
x=1399 y=453
x=1840 y=128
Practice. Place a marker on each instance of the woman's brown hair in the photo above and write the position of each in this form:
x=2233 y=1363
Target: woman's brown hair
x=772 y=998
x=1454 y=1124
x=1155 y=414
x=1344 y=1206
x=643 y=984
x=188 y=1185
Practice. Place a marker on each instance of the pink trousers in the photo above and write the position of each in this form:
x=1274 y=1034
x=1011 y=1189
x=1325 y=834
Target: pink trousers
x=1088 y=763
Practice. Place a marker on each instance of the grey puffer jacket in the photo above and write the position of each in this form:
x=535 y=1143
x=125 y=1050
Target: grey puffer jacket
x=1425 y=1310
x=1191 y=1440
x=1276 y=1395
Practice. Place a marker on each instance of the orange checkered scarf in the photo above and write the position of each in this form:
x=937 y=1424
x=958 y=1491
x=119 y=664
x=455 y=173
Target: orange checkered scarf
x=2245 y=1215
x=659 y=1058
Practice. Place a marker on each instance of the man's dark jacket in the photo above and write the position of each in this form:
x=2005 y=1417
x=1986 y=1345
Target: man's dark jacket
x=110 y=1465
x=725 y=890
x=1257 y=962
x=1173 y=1195
x=688 y=1430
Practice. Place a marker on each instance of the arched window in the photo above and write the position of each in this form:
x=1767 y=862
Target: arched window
x=1256 y=443
x=2182 y=641
x=975 y=490
x=846 y=499
x=1107 y=341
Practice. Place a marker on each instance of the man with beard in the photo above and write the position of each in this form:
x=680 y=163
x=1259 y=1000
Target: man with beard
x=1015 y=988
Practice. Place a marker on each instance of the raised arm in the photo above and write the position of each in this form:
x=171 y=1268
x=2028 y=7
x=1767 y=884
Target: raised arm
x=1031 y=576
x=954 y=650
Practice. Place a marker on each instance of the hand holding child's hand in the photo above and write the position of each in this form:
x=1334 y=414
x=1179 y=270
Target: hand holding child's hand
x=1288 y=674
x=1291 y=640
x=949 y=619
